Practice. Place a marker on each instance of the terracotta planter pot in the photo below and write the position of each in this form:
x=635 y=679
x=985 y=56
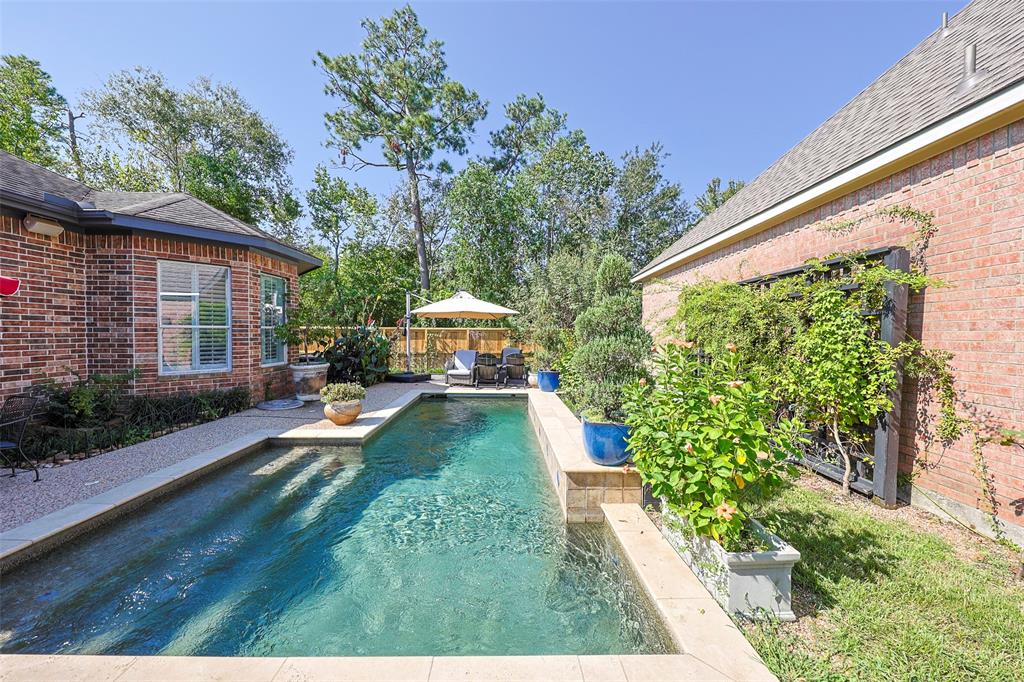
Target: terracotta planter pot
x=343 y=413
x=309 y=378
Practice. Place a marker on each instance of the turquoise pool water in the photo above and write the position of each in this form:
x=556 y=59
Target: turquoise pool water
x=440 y=537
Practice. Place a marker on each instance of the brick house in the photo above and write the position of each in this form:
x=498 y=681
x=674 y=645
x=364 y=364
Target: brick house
x=940 y=131
x=156 y=281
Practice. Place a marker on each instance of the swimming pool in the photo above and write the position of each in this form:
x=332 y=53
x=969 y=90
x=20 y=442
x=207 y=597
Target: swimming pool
x=441 y=536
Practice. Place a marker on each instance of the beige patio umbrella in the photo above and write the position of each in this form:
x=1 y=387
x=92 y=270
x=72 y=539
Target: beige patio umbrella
x=465 y=304
x=462 y=304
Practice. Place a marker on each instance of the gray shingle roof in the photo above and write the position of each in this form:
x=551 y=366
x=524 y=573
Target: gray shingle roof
x=917 y=92
x=173 y=207
x=34 y=182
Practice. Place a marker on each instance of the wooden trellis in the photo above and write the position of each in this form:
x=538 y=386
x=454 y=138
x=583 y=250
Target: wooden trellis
x=876 y=478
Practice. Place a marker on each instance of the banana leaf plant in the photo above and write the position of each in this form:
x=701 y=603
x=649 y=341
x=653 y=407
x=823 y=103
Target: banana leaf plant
x=360 y=356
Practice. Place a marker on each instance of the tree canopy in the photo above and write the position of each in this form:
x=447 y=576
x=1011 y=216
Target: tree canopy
x=32 y=113
x=396 y=95
x=205 y=140
x=525 y=220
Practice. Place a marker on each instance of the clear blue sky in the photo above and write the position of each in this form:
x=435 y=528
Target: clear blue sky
x=727 y=87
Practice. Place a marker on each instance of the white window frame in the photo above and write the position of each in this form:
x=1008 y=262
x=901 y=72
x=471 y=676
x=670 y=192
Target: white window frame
x=284 y=318
x=160 y=326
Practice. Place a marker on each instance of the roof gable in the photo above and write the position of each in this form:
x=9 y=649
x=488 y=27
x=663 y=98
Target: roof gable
x=917 y=92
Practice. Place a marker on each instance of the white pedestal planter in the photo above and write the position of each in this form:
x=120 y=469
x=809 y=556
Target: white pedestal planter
x=750 y=584
x=309 y=378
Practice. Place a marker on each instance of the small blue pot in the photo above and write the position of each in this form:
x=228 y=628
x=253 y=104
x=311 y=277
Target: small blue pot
x=605 y=444
x=547 y=380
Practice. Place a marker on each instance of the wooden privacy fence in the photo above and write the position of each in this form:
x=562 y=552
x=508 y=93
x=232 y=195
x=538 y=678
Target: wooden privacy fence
x=431 y=346
x=447 y=340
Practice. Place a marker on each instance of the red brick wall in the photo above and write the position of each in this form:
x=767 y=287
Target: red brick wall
x=246 y=268
x=43 y=327
x=108 y=303
x=90 y=302
x=976 y=192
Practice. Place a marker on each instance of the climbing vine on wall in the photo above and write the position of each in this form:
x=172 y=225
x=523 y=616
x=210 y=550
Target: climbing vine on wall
x=792 y=337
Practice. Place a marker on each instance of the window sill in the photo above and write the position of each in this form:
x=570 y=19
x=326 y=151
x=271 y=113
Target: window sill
x=271 y=365
x=193 y=373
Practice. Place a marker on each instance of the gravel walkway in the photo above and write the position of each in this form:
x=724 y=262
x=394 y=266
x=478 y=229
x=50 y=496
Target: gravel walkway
x=24 y=501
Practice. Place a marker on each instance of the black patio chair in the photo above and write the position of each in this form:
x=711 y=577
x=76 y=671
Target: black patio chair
x=15 y=414
x=513 y=370
x=486 y=369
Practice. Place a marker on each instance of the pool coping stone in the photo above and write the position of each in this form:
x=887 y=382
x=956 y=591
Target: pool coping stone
x=695 y=620
x=553 y=668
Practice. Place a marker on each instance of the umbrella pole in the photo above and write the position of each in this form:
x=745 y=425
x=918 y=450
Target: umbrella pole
x=408 y=336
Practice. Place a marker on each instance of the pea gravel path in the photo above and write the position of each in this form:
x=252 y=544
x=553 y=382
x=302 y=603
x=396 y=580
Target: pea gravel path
x=22 y=500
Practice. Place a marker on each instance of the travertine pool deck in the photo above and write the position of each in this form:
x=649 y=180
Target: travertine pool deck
x=710 y=646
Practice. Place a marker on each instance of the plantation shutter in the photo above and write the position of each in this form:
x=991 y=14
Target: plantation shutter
x=272 y=298
x=195 y=317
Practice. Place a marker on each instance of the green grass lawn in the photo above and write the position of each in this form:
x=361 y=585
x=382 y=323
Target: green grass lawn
x=891 y=595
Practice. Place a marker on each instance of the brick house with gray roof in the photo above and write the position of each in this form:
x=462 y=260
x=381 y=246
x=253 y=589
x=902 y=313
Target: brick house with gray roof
x=160 y=282
x=941 y=131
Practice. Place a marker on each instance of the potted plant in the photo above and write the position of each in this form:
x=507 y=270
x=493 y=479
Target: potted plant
x=609 y=352
x=312 y=327
x=707 y=441
x=342 y=402
x=547 y=377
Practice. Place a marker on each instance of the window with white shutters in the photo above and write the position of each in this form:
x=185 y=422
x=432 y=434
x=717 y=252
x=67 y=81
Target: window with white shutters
x=194 y=307
x=272 y=305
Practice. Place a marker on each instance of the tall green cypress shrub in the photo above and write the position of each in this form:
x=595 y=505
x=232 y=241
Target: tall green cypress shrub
x=612 y=346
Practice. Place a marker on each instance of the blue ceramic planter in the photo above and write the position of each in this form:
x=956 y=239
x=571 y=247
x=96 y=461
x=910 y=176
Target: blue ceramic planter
x=605 y=443
x=547 y=380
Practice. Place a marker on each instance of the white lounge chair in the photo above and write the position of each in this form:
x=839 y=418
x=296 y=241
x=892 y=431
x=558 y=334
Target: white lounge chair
x=461 y=368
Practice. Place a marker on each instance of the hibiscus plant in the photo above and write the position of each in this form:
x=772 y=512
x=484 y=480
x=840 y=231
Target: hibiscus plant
x=707 y=440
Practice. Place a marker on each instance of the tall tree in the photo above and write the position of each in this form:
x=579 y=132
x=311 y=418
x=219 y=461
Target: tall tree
x=205 y=140
x=569 y=185
x=532 y=129
x=650 y=212
x=714 y=196
x=337 y=210
x=487 y=217
x=32 y=113
x=396 y=94
x=435 y=221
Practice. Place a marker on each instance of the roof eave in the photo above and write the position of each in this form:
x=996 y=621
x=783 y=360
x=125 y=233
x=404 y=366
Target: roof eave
x=305 y=261
x=999 y=109
x=100 y=218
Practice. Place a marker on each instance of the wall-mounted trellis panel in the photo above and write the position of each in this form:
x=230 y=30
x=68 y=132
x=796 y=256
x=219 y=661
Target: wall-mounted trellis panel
x=875 y=477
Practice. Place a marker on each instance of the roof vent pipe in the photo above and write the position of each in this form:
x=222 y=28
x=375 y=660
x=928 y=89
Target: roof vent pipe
x=944 y=27
x=972 y=75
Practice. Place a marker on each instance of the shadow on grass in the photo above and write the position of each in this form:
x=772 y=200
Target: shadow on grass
x=834 y=547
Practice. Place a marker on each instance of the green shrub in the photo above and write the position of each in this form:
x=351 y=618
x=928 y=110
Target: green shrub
x=341 y=393
x=611 y=345
x=139 y=418
x=359 y=356
x=614 y=315
x=840 y=374
x=87 y=401
x=706 y=440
